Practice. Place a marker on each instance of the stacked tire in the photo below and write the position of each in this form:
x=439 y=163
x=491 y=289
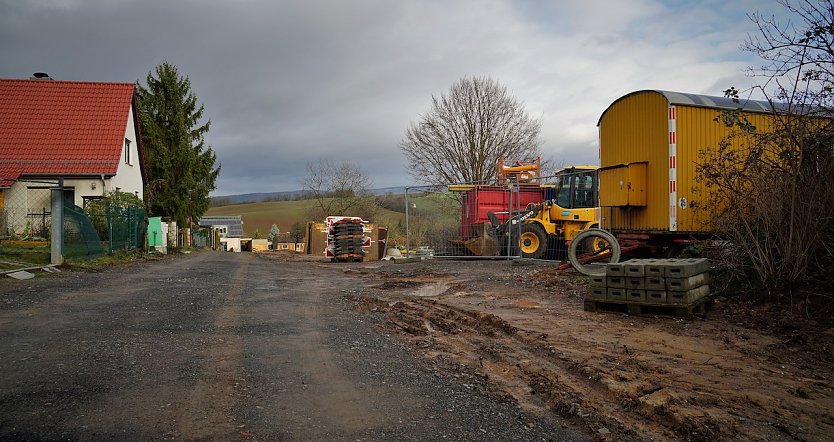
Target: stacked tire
x=348 y=238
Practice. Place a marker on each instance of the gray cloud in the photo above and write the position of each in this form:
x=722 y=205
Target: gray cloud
x=288 y=82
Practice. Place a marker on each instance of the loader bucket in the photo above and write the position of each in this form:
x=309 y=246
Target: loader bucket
x=480 y=245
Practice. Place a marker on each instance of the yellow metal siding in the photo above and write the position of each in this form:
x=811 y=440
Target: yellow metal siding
x=634 y=130
x=698 y=131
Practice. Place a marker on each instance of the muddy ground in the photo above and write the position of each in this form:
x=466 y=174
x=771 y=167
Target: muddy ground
x=732 y=373
x=241 y=346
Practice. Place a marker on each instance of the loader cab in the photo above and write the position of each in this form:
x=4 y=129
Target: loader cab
x=577 y=187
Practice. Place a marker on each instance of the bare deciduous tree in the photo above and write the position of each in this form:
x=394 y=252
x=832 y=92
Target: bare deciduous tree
x=338 y=189
x=460 y=139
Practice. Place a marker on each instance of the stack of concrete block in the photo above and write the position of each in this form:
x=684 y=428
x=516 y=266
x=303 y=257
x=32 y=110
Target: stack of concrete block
x=653 y=281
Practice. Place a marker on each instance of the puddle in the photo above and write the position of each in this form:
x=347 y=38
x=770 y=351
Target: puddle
x=433 y=289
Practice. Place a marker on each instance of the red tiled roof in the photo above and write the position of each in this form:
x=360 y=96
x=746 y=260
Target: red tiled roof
x=62 y=127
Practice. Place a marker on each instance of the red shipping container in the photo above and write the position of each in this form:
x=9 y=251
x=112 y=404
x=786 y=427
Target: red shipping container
x=482 y=199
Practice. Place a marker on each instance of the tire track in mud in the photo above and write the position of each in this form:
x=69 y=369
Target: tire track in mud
x=641 y=378
x=542 y=378
x=517 y=364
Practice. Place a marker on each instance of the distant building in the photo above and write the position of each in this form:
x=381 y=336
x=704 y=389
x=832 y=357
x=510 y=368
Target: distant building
x=230 y=226
x=230 y=229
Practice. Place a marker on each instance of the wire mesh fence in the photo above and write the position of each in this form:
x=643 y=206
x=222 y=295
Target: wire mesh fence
x=482 y=220
x=26 y=221
x=118 y=228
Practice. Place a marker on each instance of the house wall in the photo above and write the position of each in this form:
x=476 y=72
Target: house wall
x=260 y=245
x=129 y=174
x=230 y=244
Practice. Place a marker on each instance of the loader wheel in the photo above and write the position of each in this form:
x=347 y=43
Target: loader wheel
x=591 y=250
x=533 y=241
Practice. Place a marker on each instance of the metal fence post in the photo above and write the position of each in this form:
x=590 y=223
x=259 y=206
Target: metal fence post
x=57 y=234
x=511 y=227
x=407 y=232
x=109 y=229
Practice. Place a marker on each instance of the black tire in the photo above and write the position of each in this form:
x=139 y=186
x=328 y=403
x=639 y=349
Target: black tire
x=585 y=244
x=533 y=241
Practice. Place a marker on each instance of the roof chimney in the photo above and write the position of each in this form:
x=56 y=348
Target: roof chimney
x=40 y=76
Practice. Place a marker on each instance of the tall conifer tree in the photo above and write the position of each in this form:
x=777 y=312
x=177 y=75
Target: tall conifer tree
x=181 y=169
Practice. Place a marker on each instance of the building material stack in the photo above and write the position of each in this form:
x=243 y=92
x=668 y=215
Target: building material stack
x=652 y=286
x=346 y=239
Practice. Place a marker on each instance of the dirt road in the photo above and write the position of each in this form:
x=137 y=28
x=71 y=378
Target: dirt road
x=225 y=346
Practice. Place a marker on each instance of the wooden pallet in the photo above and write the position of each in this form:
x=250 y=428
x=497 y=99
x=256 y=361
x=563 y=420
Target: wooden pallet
x=699 y=307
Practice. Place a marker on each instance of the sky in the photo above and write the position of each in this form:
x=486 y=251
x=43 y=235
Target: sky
x=288 y=83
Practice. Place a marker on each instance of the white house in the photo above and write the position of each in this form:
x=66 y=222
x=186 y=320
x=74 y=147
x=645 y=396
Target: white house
x=84 y=132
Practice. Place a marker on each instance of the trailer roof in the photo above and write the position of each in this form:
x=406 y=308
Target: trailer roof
x=696 y=100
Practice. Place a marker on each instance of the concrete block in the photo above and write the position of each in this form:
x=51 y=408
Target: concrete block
x=616 y=294
x=689 y=296
x=636 y=295
x=634 y=268
x=655 y=267
x=656 y=296
x=599 y=293
x=21 y=274
x=684 y=284
x=617 y=282
x=598 y=281
x=655 y=283
x=684 y=268
x=635 y=283
x=615 y=269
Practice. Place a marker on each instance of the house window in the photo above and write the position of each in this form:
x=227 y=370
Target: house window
x=127 y=152
x=89 y=200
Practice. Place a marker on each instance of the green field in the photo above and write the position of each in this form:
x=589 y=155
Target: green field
x=262 y=215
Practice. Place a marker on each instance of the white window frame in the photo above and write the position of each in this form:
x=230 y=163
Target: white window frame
x=128 y=158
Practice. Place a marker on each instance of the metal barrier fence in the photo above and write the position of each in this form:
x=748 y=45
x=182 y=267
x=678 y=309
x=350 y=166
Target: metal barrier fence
x=81 y=240
x=85 y=235
x=119 y=229
x=475 y=221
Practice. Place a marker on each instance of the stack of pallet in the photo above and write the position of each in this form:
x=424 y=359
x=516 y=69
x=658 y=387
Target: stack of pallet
x=346 y=239
x=649 y=285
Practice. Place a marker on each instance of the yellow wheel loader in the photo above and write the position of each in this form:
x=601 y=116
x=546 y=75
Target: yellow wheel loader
x=573 y=208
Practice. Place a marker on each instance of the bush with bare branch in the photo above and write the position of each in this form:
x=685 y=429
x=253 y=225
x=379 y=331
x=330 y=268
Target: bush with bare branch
x=770 y=188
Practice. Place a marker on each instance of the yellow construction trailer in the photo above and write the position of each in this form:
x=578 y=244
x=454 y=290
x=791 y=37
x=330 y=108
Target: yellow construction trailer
x=650 y=144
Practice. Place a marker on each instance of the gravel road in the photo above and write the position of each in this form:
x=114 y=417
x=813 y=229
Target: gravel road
x=226 y=346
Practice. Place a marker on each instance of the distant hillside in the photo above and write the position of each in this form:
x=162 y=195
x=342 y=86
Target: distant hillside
x=281 y=196
x=260 y=216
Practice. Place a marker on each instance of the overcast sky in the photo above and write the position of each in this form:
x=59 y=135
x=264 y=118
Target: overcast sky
x=286 y=83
